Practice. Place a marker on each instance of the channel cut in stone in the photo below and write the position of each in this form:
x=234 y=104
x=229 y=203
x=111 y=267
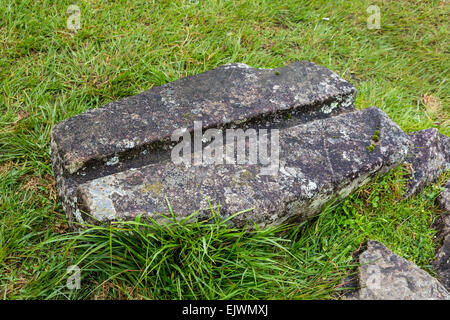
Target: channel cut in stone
x=230 y=94
x=135 y=132
x=319 y=160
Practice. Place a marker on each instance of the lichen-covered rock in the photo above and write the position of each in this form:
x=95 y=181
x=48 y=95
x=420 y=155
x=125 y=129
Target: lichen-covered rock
x=444 y=198
x=442 y=263
x=428 y=158
x=227 y=95
x=136 y=131
x=442 y=223
x=384 y=275
x=319 y=160
x=442 y=226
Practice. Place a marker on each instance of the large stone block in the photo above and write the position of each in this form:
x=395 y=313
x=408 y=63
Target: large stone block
x=319 y=160
x=135 y=132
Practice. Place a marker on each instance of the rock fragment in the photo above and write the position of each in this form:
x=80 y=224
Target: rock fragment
x=442 y=260
x=428 y=158
x=384 y=275
x=444 y=198
x=442 y=263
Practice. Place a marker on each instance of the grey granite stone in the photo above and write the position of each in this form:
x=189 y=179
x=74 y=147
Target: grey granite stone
x=384 y=275
x=319 y=160
x=428 y=158
x=442 y=261
x=444 y=198
x=135 y=132
x=229 y=94
x=442 y=223
x=442 y=226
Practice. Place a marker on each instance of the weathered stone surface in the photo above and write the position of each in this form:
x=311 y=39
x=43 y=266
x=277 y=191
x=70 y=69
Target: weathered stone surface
x=428 y=158
x=444 y=198
x=135 y=132
x=442 y=223
x=383 y=275
x=442 y=226
x=229 y=94
x=319 y=160
x=442 y=263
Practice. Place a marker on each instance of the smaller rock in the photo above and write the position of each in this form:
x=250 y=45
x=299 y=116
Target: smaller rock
x=442 y=263
x=442 y=225
x=384 y=275
x=428 y=158
x=444 y=198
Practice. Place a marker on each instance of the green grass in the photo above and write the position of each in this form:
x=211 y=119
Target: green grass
x=48 y=73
